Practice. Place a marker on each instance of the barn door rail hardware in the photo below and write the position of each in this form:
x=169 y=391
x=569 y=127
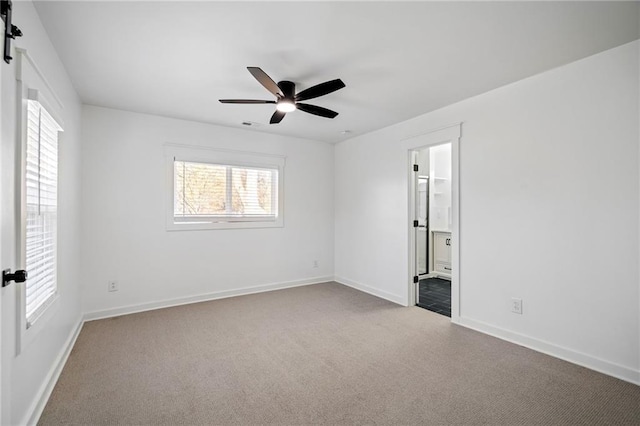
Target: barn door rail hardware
x=10 y=30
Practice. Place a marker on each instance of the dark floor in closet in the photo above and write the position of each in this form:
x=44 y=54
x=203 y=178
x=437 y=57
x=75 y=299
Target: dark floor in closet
x=435 y=295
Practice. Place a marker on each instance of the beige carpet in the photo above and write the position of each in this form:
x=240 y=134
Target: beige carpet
x=321 y=354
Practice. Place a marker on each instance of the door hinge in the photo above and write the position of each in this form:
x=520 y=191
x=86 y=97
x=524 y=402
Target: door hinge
x=415 y=167
x=415 y=223
x=416 y=279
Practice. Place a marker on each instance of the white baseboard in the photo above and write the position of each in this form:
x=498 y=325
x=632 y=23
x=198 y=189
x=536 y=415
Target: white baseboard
x=40 y=401
x=566 y=354
x=371 y=290
x=142 y=307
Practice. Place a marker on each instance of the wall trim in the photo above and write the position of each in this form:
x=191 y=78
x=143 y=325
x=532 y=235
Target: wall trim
x=371 y=290
x=42 y=397
x=452 y=134
x=171 y=146
x=142 y=307
x=20 y=73
x=575 y=357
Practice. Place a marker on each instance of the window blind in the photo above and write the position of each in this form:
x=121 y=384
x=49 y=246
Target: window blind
x=41 y=178
x=218 y=192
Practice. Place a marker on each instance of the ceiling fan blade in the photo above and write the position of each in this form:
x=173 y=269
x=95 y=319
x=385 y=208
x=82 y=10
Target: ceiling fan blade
x=320 y=90
x=316 y=110
x=245 y=101
x=265 y=80
x=277 y=117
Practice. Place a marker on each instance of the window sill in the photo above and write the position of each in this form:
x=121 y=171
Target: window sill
x=195 y=226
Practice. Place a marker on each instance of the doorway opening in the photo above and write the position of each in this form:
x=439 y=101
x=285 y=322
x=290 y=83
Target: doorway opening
x=433 y=233
x=434 y=221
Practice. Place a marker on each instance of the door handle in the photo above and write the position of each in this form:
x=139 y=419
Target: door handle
x=18 y=276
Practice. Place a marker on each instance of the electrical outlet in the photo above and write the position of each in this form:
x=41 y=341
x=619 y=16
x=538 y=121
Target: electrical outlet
x=315 y=263
x=112 y=286
x=516 y=305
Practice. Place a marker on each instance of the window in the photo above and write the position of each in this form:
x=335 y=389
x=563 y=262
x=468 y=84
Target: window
x=215 y=192
x=41 y=206
x=224 y=189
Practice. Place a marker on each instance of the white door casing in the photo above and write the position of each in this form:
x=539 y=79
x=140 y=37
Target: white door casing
x=447 y=134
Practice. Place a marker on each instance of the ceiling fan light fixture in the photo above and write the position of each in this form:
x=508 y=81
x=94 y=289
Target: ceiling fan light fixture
x=287 y=100
x=285 y=105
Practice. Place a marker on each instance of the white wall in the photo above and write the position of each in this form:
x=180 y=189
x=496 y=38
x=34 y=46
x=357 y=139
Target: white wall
x=25 y=377
x=557 y=155
x=124 y=236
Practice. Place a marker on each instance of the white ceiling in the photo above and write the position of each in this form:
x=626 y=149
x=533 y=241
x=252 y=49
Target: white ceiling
x=398 y=60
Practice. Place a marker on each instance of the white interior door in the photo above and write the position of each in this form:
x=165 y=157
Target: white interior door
x=423 y=225
x=415 y=221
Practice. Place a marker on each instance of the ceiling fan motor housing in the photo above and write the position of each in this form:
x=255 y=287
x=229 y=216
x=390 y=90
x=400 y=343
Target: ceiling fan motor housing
x=288 y=89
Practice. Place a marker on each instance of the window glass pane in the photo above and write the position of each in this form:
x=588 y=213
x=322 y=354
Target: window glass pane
x=252 y=192
x=200 y=189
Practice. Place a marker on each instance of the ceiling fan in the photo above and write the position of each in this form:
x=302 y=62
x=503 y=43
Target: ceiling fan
x=286 y=98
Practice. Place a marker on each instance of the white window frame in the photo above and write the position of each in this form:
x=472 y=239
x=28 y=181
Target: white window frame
x=32 y=85
x=196 y=154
